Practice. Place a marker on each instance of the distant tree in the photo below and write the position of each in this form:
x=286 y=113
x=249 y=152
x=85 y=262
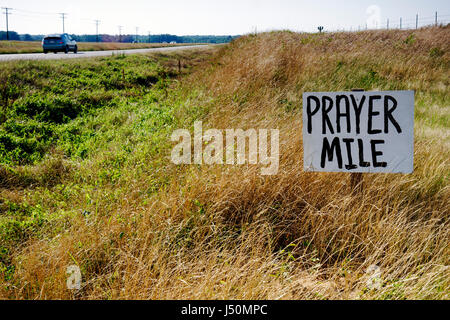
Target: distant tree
x=26 y=37
x=12 y=35
x=127 y=38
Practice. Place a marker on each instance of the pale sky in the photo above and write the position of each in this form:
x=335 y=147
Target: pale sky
x=211 y=17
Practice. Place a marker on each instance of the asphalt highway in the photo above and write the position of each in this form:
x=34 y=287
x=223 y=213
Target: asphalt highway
x=88 y=54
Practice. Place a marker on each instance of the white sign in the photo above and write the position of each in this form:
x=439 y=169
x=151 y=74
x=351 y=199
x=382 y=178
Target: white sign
x=358 y=131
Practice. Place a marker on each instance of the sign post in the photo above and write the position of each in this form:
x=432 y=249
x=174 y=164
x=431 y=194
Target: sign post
x=358 y=132
x=356 y=178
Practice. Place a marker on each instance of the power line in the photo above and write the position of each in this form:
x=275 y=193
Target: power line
x=97 y=22
x=120 y=33
x=36 y=12
x=28 y=18
x=63 y=17
x=404 y=23
x=7 y=24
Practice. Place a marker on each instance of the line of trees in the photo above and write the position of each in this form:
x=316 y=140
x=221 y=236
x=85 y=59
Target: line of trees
x=19 y=37
x=127 y=38
x=157 y=38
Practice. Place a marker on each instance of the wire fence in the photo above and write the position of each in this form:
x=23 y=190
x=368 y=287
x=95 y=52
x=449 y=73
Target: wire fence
x=401 y=23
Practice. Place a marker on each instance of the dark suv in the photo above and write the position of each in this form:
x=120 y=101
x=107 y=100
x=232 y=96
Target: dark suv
x=59 y=43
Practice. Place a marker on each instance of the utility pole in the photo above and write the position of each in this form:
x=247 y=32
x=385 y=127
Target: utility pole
x=97 y=22
x=388 y=23
x=63 y=17
x=436 y=19
x=7 y=26
x=149 y=38
x=417 y=21
x=137 y=30
x=400 y=23
x=120 y=33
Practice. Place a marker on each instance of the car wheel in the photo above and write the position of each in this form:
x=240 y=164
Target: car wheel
x=45 y=51
x=75 y=50
x=55 y=52
x=66 y=50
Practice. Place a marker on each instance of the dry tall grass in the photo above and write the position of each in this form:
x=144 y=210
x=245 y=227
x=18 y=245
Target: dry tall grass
x=226 y=232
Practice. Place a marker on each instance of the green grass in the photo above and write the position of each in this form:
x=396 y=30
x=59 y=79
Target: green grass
x=55 y=114
x=43 y=106
x=85 y=175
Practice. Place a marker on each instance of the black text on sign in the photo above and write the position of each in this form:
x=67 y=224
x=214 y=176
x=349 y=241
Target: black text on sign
x=358 y=131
